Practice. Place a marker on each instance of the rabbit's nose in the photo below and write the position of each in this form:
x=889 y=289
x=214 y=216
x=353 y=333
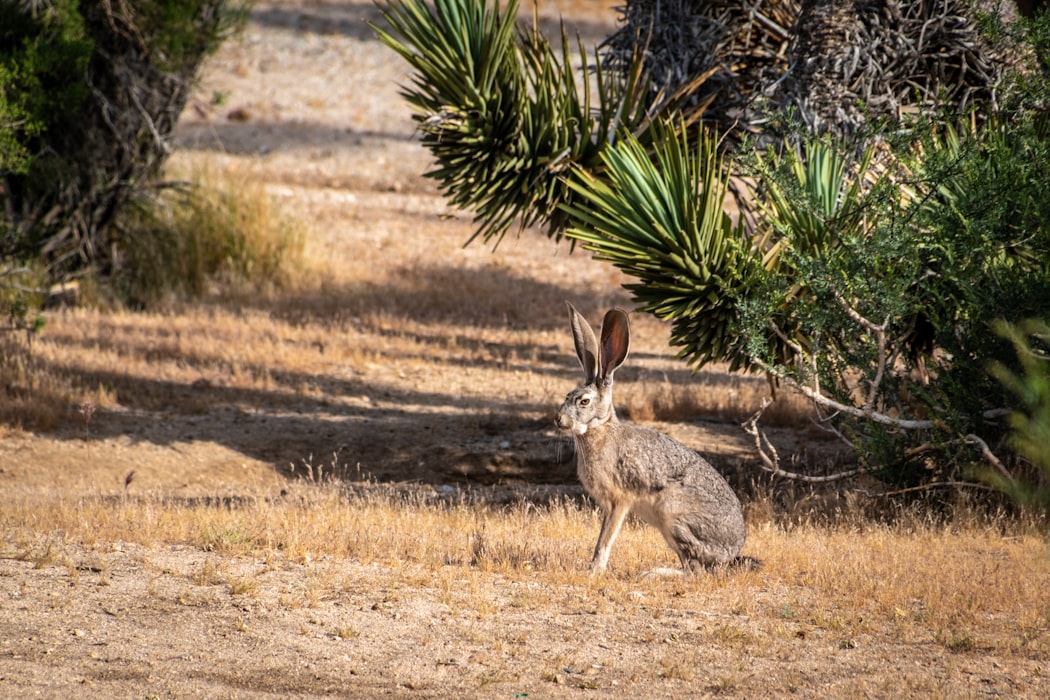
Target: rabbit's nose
x=563 y=421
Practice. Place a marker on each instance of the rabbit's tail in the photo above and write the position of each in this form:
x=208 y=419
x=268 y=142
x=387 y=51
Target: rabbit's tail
x=746 y=563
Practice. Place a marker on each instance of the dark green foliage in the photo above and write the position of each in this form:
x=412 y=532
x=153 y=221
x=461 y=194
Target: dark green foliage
x=1028 y=90
x=182 y=32
x=43 y=59
x=871 y=274
x=90 y=92
x=888 y=320
x=873 y=290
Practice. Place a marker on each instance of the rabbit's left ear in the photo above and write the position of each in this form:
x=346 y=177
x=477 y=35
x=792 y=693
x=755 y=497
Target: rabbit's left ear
x=616 y=341
x=586 y=344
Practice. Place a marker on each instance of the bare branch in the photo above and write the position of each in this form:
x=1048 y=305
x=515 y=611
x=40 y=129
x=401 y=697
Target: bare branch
x=803 y=357
x=880 y=340
x=880 y=347
x=771 y=460
x=996 y=413
x=21 y=288
x=928 y=487
x=825 y=424
x=855 y=315
x=162 y=144
x=990 y=457
x=795 y=347
x=750 y=427
x=825 y=402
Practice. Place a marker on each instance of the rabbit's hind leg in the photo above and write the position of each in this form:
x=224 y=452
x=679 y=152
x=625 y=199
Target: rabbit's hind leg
x=698 y=552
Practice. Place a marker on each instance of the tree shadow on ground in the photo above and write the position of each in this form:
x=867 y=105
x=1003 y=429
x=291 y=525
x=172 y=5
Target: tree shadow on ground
x=406 y=436
x=258 y=136
x=485 y=297
x=362 y=421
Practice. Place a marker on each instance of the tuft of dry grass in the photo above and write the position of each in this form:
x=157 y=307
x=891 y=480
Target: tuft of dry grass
x=203 y=238
x=206 y=236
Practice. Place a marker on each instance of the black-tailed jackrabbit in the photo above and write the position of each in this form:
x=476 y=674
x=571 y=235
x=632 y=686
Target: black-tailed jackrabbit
x=629 y=469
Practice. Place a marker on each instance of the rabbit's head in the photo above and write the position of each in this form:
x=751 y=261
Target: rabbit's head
x=591 y=405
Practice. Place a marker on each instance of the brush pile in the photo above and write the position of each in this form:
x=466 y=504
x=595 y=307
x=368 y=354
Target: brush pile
x=744 y=46
x=836 y=63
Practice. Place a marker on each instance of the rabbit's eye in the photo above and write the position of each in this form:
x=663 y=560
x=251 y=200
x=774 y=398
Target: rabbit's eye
x=585 y=401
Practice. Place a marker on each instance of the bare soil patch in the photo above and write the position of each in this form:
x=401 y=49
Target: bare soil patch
x=411 y=363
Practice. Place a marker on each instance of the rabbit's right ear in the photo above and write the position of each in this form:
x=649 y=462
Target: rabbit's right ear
x=586 y=343
x=616 y=341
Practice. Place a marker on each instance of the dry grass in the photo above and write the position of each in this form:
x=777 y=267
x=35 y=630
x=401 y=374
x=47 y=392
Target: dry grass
x=118 y=358
x=712 y=393
x=217 y=231
x=205 y=238
x=286 y=310
x=363 y=333
x=966 y=588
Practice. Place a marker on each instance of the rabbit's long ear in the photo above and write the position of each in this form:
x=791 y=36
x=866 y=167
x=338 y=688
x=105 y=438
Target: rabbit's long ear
x=616 y=341
x=586 y=344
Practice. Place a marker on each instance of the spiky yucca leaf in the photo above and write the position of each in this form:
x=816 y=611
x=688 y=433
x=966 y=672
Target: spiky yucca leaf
x=660 y=218
x=831 y=205
x=500 y=111
x=466 y=91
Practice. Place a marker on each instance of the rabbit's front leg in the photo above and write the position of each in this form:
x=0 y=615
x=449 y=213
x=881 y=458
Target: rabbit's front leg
x=611 y=524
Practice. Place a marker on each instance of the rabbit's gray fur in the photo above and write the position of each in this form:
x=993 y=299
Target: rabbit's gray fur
x=630 y=469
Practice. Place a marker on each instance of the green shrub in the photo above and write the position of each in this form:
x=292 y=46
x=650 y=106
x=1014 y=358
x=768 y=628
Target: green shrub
x=43 y=58
x=1030 y=423
x=888 y=322
x=872 y=285
x=872 y=275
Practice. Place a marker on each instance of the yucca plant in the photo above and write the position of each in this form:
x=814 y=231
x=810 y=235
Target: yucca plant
x=828 y=188
x=869 y=289
x=810 y=198
x=658 y=214
x=887 y=301
x=516 y=136
x=501 y=111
